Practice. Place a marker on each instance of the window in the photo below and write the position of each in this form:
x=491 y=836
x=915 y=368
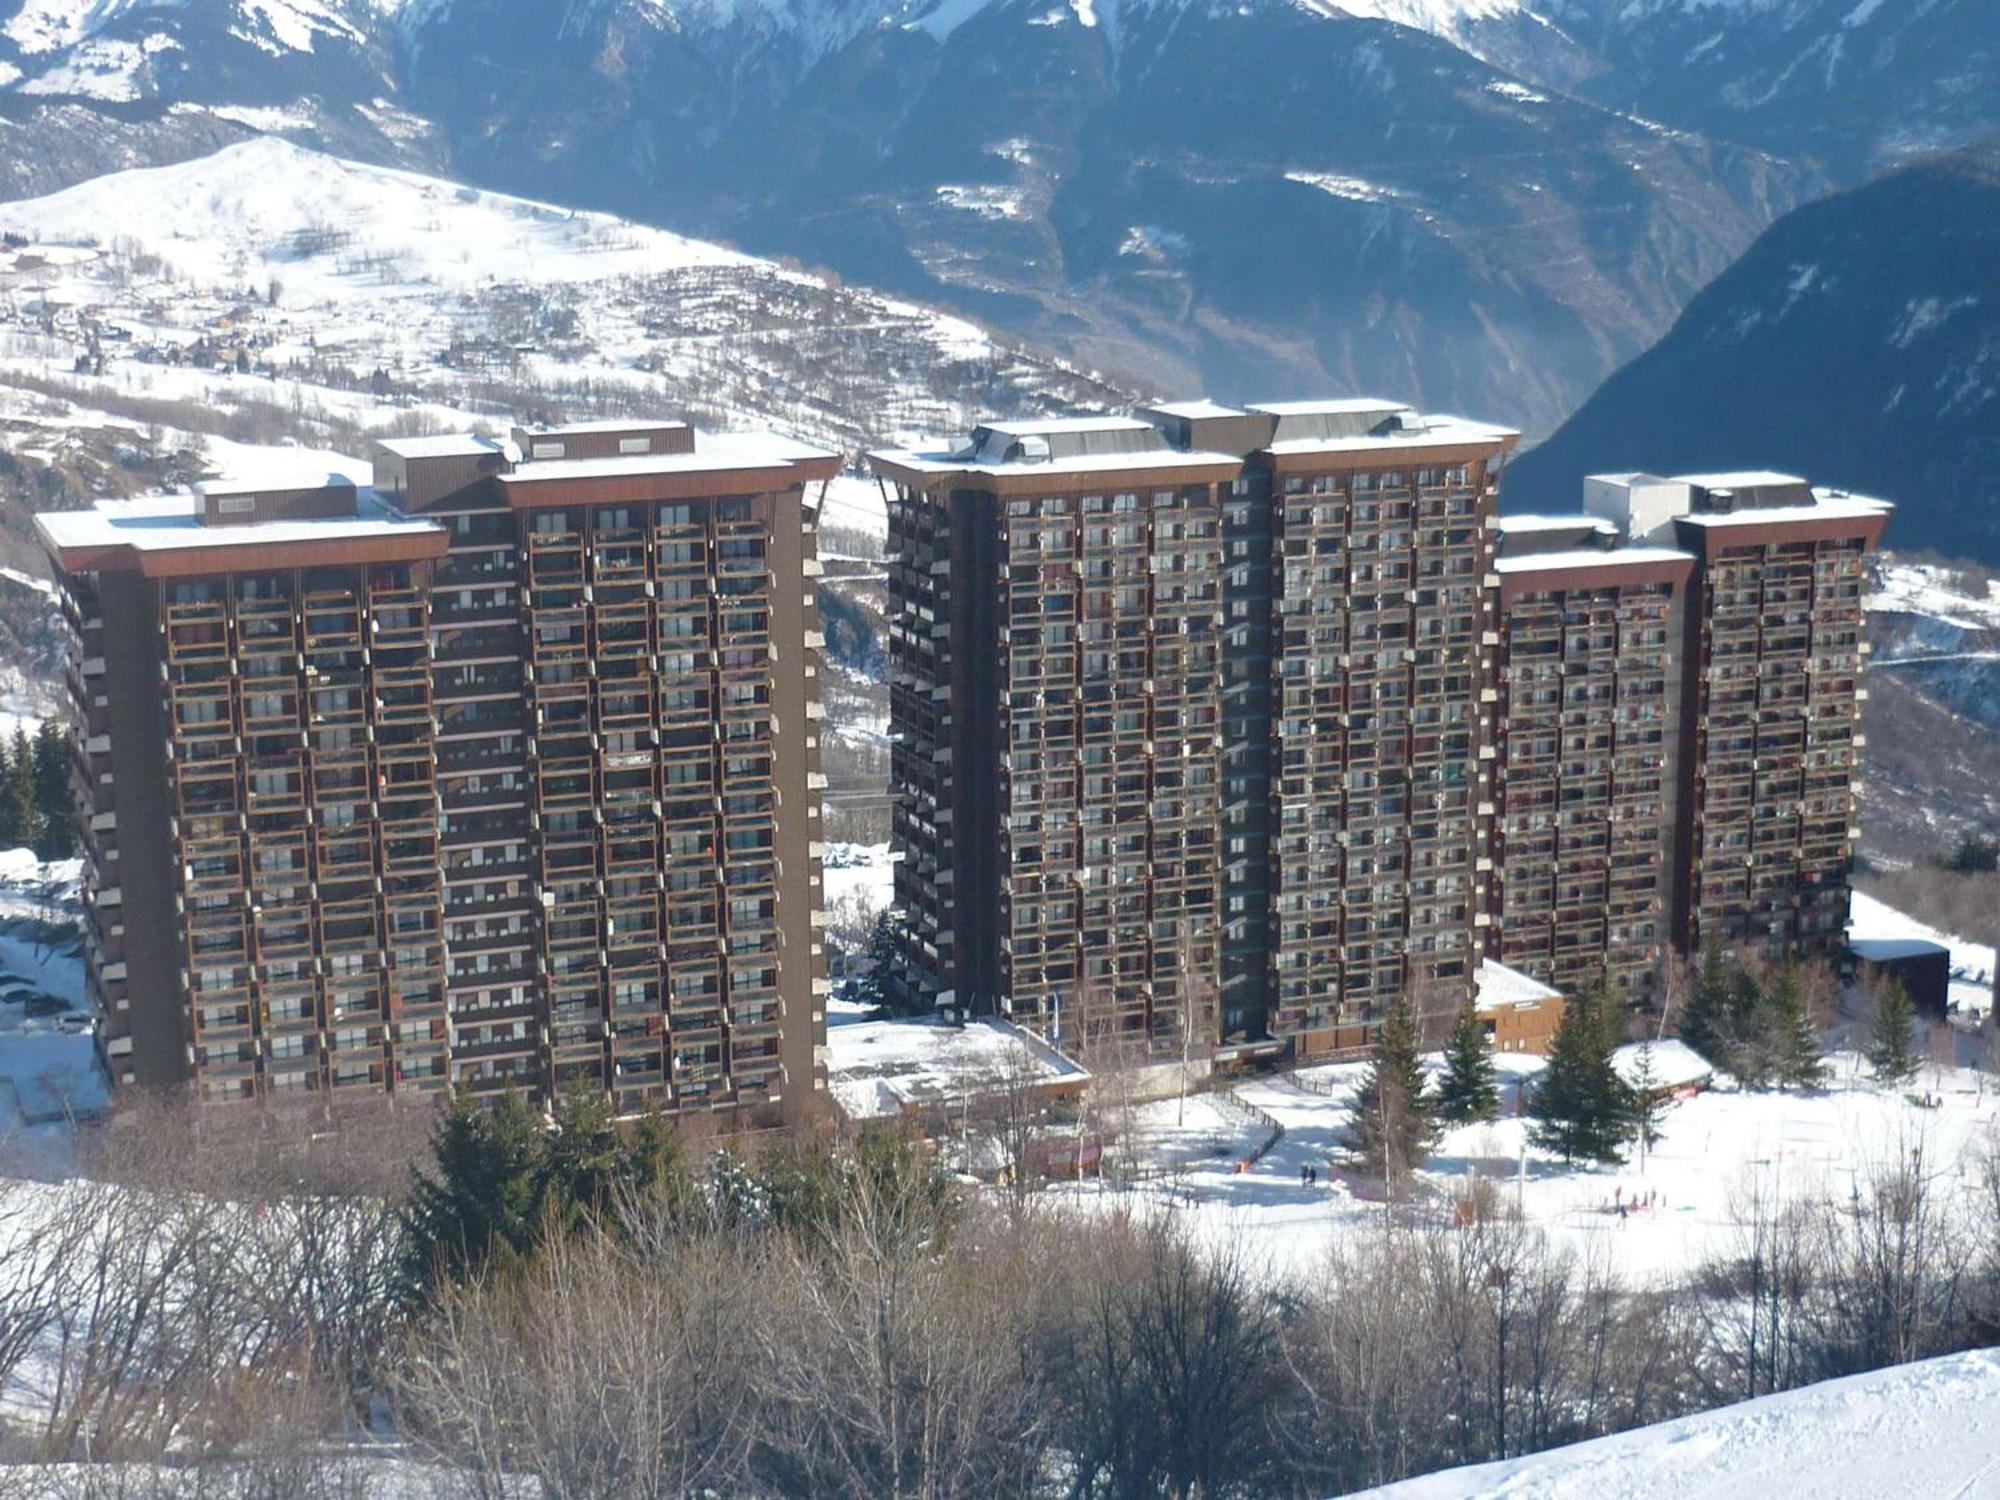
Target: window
x=546 y=450
x=635 y=445
x=235 y=505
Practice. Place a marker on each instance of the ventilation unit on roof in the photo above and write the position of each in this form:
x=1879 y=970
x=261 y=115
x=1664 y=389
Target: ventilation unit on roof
x=1722 y=501
x=1030 y=450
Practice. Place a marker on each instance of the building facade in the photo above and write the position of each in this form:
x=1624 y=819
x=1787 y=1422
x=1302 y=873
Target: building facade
x=502 y=774
x=1186 y=710
x=1220 y=728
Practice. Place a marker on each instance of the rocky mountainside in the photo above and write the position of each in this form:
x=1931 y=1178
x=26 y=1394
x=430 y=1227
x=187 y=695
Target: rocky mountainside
x=1857 y=342
x=1250 y=199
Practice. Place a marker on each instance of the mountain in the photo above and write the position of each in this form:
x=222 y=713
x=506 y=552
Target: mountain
x=1857 y=342
x=1247 y=198
x=1485 y=205
x=1853 y=84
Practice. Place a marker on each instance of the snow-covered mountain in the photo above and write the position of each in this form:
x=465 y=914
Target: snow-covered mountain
x=1481 y=204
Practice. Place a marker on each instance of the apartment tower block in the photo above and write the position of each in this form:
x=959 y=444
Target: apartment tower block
x=1215 y=729
x=501 y=773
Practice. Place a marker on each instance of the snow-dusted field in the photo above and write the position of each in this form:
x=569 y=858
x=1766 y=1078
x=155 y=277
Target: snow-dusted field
x=1717 y=1150
x=365 y=298
x=1922 y=1431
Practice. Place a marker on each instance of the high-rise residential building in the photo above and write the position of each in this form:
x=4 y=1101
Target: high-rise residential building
x=1771 y=696
x=1220 y=728
x=1587 y=748
x=1186 y=710
x=501 y=773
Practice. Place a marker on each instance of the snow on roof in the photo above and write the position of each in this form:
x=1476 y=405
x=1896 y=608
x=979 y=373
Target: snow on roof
x=1047 y=426
x=1589 y=557
x=1201 y=407
x=163 y=523
x=1915 y=1429
x=1555 y=523
x=1675 y=1063
x=1870 y=921
x=712 y=451
x=880 y=1068
x=608 y=424
x=1739 y=479
x=305 y=479
x=942 y=462
x=1827 y=506
x=1495 y=985
x=444 y=445
x=1336 y=407
x=1434 y=432
x=1888 y=950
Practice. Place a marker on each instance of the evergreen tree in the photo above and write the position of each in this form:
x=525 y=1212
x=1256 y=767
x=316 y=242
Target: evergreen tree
x=481 y=1198
x=1794 y=1038
x=1648 y=1103
x=56 y=813
x=586 y=1159
x=1469 y=1090
x=1889 y=1046
x=21 y=788
x=1393 y=1128
x=14 y=830
x=1581 y=1107
x=1705 y=1019
x=878 y=986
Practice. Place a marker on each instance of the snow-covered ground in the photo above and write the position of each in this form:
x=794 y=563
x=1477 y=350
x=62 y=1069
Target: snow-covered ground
x=1971 y=963
x=866 y=872
x=1918 y=1430
x=1715 y=1151
x=49 y=1073
x=1926 y=589
x=354 y=297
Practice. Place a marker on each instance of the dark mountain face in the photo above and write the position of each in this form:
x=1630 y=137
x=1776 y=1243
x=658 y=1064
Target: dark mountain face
x=1851 y=83
x=1242 y=199
x=1250 y=197
x=1857 y=343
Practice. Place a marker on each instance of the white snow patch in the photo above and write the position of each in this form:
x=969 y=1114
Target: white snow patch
x=947 y=18
x=1508 y=89
x=982 y=199
x=1922 y=314
x=1356 y=189
x=1916 y=1429
x=100 y=69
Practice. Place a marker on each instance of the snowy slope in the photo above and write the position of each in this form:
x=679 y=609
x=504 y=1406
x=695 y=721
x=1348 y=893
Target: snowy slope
x=1924 y=1429
x=338 y=230
x=348 y=298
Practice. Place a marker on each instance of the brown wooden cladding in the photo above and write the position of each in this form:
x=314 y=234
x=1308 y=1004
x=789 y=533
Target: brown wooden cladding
x=413 y=546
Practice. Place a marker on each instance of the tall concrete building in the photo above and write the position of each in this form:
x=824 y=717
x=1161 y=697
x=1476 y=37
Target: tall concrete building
x=502 y=773
x=1218 y=728
x=1186 y=710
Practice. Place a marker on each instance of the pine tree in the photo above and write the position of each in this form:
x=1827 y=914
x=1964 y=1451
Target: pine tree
x=56 y=812
x=877 y=986
x=1705 y=1019
x=587 y=1162
x=1469 y=1090
x=1648 y=1103
x=21 y=788
x=481 y=1197
x=1393 y=1128
x=1581 y=1107
x=1795 y=1040
x=1889 y=1047
x=13 y=831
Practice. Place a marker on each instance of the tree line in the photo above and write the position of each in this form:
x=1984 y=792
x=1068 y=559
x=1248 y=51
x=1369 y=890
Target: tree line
x=586 y=1309
x=37 y=810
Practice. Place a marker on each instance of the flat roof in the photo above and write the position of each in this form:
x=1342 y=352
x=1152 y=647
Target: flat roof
x=443 y=445
x=305 y=479
x=161 y=523
x=1436 y=432
x=1200 y=407
x=1738 y=479
x=1339 y=406
x=1555 y=523
x=1590 y=557
x=608 y=424
x=942 y=462
x=881 y=1068
x=1049 y=426
x=1827 y=506
x=717 y=452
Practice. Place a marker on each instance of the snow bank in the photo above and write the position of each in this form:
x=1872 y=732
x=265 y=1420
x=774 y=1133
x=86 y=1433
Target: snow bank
x=1920 y=1429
